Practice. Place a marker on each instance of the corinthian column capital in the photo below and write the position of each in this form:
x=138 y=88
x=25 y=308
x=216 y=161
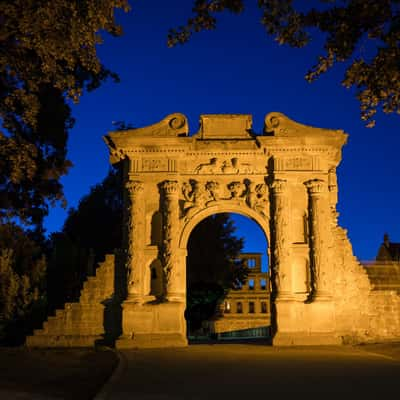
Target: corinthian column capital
x=169 y=188
x=279 y=186
x=315 y=186
x=134 y=187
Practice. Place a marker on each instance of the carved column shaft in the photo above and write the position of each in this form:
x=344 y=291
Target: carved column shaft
x=320 y=222
x=135 y=239
x=281 y=239
x=170 y=196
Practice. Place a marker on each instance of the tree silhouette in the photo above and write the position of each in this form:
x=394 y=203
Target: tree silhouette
x=90 y=231
x=48 y=59
x=22 y=283
x=213 y=267
x=364 y=34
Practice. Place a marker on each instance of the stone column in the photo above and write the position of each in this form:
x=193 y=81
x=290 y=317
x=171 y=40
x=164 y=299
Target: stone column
x=172 y=282
x=320 y=223
x=281 y=240
x=135 y=239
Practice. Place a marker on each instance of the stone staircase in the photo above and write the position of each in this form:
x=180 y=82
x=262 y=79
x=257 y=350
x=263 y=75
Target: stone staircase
x=383 y=275
x=79 y=324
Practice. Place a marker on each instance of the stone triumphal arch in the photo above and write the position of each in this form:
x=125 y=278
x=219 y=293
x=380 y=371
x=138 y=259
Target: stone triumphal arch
x=284 y=179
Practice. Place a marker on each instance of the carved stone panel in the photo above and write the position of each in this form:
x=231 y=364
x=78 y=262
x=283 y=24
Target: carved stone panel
x=226 y=166
x=152 y=165
x=296 y=163
x=198 y=195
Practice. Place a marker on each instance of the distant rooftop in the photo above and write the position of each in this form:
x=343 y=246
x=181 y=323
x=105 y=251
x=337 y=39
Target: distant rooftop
x=388 y=251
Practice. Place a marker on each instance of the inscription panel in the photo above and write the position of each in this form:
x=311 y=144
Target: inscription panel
x=299 y=163
x=152 y=165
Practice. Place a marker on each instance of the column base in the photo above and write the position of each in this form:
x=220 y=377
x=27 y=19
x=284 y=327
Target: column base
x=176 y=297
x=147 y=341
x=63 y=340
x=152 y=325
x=134 y=299
x=322 y=297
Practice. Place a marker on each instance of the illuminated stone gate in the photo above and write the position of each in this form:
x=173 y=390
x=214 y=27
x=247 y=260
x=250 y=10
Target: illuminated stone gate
x=284 y=180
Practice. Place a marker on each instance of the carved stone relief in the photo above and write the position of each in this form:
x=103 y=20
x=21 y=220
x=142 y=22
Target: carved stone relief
x=198 y=195
x=169 y=194
x=138 y=165
x=232 y=166
x=297 y=163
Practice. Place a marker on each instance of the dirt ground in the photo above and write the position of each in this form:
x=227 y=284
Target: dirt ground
x=54 y=373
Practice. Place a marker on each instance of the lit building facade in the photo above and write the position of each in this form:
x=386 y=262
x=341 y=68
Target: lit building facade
x=245 y=312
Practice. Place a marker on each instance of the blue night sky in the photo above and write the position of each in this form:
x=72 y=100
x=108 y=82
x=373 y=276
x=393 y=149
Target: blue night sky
x=235 y=69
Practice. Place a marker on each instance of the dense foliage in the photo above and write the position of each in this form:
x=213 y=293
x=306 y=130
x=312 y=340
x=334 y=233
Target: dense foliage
x=48 y=58
x=22 y=283
x=365 y=34
x=91 y=231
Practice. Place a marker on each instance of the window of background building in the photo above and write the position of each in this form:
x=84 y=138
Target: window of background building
x=251 y=262
x=263 y=284
x=251 y=307
x=227 y=308
x=239 y=307
x=264 y=307
x=251 y=284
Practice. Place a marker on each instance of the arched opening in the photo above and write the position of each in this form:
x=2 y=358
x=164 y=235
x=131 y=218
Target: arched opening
x=227 y=275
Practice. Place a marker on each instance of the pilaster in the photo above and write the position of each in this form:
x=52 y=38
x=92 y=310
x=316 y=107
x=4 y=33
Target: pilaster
x=320 y=222
x=174 y=288
x=281 y=241
x=135 y=236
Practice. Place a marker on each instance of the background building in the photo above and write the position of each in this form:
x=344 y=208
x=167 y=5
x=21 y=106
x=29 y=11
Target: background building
x=245 y=312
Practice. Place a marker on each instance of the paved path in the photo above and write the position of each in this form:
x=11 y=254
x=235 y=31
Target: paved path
x=245 y=372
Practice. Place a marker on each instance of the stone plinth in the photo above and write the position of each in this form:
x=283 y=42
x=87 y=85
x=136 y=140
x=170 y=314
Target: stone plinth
x=153 y=325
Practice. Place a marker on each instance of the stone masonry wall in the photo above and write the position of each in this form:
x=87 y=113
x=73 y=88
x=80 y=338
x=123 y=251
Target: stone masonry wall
x=79 y=324
x=364 y=312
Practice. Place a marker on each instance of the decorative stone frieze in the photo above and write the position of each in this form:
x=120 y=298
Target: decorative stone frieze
x=257 y=198
x=198 y=195
x=232 y=166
